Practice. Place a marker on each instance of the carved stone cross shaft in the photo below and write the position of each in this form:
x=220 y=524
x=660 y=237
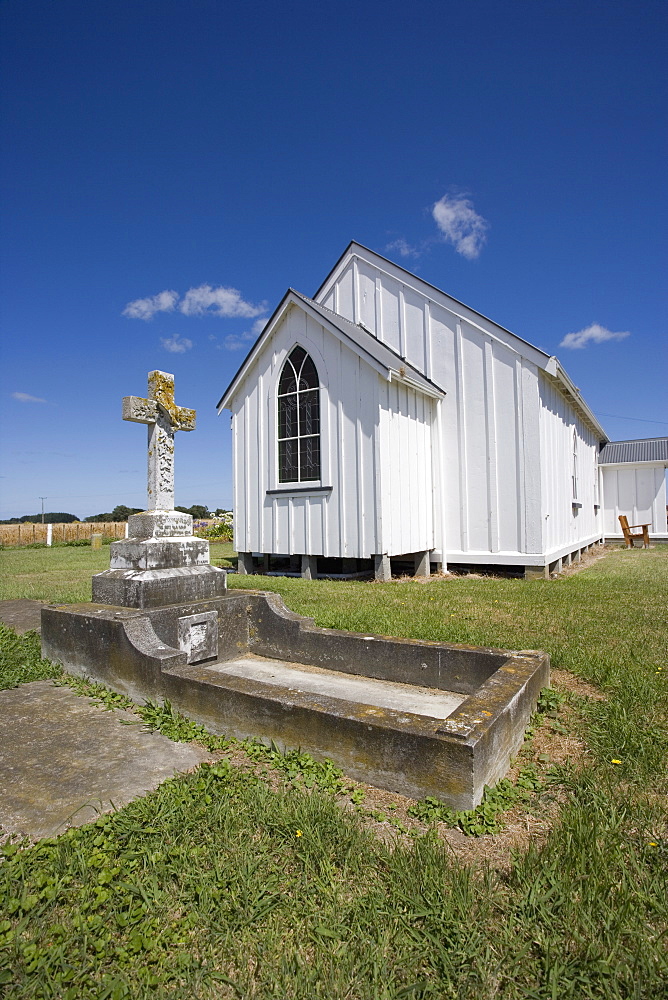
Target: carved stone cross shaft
x=164 y=418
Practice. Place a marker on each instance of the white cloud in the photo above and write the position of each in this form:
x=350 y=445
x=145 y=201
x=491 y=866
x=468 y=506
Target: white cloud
x=25 y=397
x=460 y=224
x=234 y=341
x=217 y=302
x=176 y=344
x=147 y=308
x=595 y=334
x=404 y=248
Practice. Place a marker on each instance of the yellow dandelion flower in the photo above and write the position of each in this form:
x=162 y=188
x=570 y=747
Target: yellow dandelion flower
x=615 y=761
x=298 y=833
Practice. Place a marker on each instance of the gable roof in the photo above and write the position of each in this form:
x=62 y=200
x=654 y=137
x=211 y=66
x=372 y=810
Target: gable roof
x=549 y=364
x=355 y=249
x=387 y=363
x=638 y=450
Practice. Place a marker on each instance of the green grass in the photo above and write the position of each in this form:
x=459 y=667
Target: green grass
x=21 y=659
x=205 y=889
x=62 y=574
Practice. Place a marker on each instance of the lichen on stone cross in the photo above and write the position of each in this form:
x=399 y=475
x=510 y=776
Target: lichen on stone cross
x=164 y=418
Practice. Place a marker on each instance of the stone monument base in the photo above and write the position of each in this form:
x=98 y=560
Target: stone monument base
x=161 y=562
x=155 y=588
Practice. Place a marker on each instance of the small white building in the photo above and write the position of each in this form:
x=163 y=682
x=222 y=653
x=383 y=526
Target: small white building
x=382 y=419
x=634 y=484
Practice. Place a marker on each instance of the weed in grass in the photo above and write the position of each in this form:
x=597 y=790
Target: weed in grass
x=171 y=723
x=21 y=659
x=485 y=818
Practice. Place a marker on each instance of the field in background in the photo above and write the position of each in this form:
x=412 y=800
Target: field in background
x=63 y=574
x=224 y=884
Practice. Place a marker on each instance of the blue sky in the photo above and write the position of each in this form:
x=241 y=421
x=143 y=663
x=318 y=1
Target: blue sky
x=513 y=154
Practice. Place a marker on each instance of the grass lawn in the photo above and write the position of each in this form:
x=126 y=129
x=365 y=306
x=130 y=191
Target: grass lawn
x=62 y=573
x=240 y=881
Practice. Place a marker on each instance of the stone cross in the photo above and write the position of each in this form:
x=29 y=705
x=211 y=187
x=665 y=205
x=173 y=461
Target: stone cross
x=164 y=418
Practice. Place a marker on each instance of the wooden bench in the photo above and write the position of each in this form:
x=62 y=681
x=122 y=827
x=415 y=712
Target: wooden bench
x=629 y=537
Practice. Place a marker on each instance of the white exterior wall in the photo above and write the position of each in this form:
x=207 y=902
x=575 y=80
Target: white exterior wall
x=639 y=492
x=405 y=471
x=567 y=526
x=486 y=475
x=353 y=519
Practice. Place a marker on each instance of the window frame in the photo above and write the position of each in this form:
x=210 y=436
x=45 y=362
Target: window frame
x=299 y=409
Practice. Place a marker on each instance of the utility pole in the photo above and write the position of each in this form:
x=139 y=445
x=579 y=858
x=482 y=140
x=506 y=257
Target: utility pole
x=43 y=499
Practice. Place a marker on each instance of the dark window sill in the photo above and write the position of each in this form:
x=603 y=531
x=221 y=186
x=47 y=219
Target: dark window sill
x=292 y=490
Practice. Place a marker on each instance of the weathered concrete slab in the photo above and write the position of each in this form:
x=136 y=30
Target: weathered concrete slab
x=64 y=760
x=297 y=678
x=23 y=615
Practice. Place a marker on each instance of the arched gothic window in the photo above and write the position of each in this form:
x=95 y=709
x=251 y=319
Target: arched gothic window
x=298 y=419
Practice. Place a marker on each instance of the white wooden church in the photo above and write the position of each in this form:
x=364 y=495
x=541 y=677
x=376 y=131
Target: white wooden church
x=383 y=420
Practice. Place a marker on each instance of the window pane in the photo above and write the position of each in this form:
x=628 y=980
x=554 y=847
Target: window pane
x=288 y=467
x=287 y=416
x=309 y=458
x=309 y=412
x=308 y=376
x=288 y=382
x=297 y=356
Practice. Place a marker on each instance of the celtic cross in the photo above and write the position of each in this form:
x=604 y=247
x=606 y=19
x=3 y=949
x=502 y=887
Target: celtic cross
x=164 y=418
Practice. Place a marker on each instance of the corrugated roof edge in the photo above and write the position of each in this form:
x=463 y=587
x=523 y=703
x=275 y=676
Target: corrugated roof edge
x=634 y=451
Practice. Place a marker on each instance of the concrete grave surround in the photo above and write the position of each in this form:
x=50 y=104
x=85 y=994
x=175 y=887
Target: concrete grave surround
x=419 y=718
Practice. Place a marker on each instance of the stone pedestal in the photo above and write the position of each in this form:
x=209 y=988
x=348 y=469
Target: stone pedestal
x=161 y=562
x=381 y=568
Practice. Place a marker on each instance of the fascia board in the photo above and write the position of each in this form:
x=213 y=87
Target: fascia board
x=396 y=370
x=556 y=371
x=660 y=463
x=396 y=376
x=344 y=338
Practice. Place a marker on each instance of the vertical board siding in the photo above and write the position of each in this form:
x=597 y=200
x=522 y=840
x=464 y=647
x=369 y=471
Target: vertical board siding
x=366 y=293
x=639 y=492
x=476 y=440
x=489 y=441
x=345 y=294
x=507 y=434
x=501 y=481
x=407 y=487
x=415 y=348
x=491 y=446
x=345 y=522
x=530 y=497
x=566 y=525
x=391 y=312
